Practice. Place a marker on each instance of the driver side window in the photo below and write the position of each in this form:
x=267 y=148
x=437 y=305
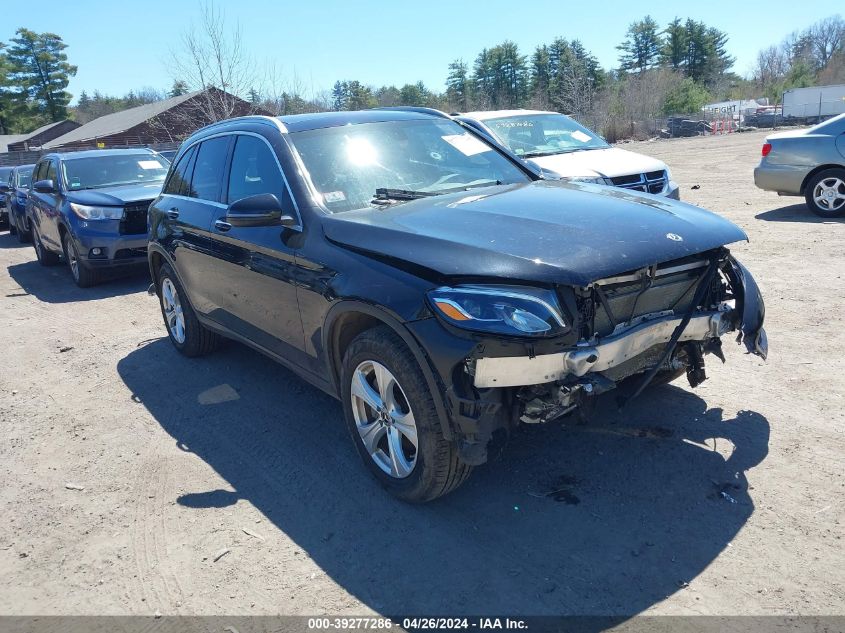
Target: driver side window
x=255 y=170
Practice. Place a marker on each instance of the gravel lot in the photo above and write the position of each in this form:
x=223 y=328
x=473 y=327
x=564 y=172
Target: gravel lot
x=182 y=460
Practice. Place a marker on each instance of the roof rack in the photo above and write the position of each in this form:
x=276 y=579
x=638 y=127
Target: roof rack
x=420 y=109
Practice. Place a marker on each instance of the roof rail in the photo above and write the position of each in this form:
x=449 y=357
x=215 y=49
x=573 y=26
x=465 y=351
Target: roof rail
x=420 y=109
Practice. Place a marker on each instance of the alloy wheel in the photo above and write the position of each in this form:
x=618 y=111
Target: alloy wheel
x=173 y=310
x=384 y=419
x=829 y=194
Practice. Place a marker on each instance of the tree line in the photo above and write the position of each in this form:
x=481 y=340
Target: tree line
x=661 y=70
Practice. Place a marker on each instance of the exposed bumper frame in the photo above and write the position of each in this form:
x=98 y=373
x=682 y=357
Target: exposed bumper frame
x=526 y=370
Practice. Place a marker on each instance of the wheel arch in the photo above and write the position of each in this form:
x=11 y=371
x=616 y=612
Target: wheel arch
x=347 y=319
x=814 y=172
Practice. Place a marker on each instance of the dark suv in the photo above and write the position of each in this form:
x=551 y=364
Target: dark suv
x=16 y=191
x=5 y=216
x=435 y=284
x=90 y=208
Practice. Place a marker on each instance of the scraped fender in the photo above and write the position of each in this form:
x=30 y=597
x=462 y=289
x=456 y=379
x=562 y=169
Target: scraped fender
x=750 y=302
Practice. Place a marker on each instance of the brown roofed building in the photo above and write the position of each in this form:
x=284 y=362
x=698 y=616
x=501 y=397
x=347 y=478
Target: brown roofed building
x=167 y=121
x=44 y=134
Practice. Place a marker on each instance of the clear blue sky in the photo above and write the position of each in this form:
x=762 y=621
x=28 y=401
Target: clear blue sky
x=123 y=45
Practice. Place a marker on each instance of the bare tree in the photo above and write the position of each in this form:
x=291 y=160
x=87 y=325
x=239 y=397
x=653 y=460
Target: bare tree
x=212 y=56
x=827 y=37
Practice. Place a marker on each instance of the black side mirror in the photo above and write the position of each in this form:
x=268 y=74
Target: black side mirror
x=45 y=186
x=263 y=209
x=4 y=188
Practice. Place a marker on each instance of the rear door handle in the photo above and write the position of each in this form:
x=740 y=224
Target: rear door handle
x=173 y=213
x=220 y=225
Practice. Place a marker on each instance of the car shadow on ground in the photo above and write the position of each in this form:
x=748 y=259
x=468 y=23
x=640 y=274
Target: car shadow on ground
x=7 y=240
x=54 y=284
x=607 y=518
x=795 y=213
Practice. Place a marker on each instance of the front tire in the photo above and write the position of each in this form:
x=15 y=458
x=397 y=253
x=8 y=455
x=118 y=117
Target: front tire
x=82 y=275
x=390 y=413
x=45 y=257
x=187 y=334
x=825 y=193
x=24 y=234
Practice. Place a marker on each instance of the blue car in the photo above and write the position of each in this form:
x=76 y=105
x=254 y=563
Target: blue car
x=15 y=191
x=5 y=173
x=89 y=209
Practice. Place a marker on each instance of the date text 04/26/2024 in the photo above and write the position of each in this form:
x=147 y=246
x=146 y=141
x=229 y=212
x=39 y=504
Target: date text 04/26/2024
x=415 y=623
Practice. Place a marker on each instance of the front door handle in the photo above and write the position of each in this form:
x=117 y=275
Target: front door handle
x=173 y=213
x=220 y=225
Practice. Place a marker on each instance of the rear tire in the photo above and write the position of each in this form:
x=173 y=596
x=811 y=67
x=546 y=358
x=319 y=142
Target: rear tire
x=399 y=408
x=825 y=193
x=82 y=275
x=187 y=334
x=45 y=257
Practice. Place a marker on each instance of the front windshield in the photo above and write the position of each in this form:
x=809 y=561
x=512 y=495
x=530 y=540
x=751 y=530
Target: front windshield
x=5 y=172
x=24 y=176
x=94 y=172
x=531 y=135
x=356 y=166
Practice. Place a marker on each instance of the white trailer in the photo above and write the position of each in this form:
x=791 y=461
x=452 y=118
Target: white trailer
x=818 y=101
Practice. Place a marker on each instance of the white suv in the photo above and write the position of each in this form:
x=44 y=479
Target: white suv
x=559 y=144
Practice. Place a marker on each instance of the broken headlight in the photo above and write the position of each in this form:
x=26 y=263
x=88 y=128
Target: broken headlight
x=504 y=310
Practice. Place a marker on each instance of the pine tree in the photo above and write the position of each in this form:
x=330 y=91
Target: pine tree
x=458 y=88
x=40 y=67
x=641 y=48
x=178 y=89
x=674 y=47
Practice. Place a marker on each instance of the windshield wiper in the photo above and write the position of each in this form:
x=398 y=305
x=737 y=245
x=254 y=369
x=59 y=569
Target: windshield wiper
x=546 y=153
x=387 y=196
x=384 y=193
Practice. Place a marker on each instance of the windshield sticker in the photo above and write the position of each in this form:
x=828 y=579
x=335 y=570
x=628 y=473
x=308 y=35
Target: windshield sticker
x=334 y=196
x=507 y=124
x=578 y=135
x=149 y=164
x=466 y=144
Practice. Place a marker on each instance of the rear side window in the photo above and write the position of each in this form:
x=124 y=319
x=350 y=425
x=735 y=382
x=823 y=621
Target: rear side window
x=254 y=171
x=210 y=168
x=180 y=180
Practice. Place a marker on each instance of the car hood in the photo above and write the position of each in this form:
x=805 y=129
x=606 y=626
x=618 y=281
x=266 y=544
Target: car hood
x=116 y=196
x=609 y=163
x=546 y=231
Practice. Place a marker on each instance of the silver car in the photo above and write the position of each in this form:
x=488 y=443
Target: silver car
x=809 y=163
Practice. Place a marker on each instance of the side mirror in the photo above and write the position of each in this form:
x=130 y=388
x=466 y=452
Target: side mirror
x=263 y=209
x=4 y=188
x=45 y=186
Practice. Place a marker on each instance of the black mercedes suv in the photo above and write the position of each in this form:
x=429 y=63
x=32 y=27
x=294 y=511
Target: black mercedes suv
x=436 y=285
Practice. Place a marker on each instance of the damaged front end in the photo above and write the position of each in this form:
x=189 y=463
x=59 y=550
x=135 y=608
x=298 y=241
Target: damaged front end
x=656 y=323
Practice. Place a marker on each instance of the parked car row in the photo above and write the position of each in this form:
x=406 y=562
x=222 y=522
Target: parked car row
x=87 y=208
x=418 y=268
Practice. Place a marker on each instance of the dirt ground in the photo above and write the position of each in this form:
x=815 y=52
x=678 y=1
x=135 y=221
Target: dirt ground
x=184 y=461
